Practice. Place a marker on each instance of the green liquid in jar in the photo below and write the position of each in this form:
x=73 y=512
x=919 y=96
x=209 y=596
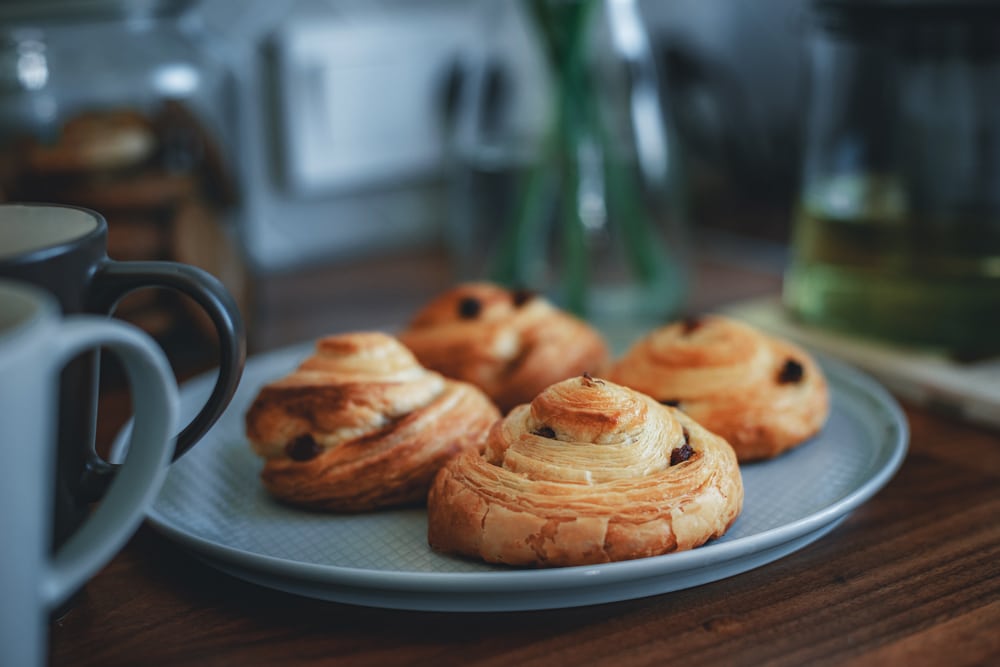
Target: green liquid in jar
x=928 y=282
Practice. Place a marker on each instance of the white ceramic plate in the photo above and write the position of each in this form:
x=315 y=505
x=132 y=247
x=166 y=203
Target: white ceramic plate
x=213 y=503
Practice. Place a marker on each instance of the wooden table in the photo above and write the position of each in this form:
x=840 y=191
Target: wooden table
x=912 y=577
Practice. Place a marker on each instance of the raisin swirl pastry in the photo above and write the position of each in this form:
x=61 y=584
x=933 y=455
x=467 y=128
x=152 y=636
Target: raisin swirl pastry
x=511 y=344
x=589 y=472
x=361 y=425
x=762 y=394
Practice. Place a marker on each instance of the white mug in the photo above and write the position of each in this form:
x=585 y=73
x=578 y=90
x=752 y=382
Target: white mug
x=36 y=341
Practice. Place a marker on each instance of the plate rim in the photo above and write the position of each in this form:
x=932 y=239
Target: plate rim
x=603 y=592
x=891 y=450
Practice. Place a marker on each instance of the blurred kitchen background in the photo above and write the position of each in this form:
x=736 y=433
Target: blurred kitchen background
x=299 y=149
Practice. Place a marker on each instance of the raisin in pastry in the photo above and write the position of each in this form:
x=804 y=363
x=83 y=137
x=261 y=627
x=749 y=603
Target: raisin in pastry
x=762 y=394
x=510 y=343
x=588 y=472
x=361 y=425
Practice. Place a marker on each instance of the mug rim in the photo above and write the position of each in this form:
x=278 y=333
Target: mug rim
x=58 y=248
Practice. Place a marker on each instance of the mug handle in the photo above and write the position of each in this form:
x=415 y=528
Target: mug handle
x=151 y=443
x=112 y=281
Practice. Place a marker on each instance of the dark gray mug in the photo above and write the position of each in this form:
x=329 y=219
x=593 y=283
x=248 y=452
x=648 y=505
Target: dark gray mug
x=63 y=250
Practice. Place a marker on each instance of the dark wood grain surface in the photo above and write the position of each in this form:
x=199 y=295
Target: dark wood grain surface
x=912 y=577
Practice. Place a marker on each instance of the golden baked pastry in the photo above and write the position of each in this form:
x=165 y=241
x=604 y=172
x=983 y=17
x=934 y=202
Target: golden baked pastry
x=511 y=344
x=762 y=394
x=96 y=140
x=361 y=425
x=589 y=472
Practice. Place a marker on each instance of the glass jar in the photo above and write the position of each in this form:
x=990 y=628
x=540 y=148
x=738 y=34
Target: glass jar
x=125 y=108
x=898 y=228
x=564 y=178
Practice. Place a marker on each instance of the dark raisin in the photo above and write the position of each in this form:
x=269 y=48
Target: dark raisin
x=792 y=371
x=691 y=324
x=303 y=448
x=681 y=454
x=590 y=380
x=522 y=296
x=545 y=432
x=469 y=307
x=672 y=402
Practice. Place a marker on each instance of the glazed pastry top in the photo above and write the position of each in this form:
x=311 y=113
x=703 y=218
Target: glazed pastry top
x=589 y=472
x=350 y=386
x=512 y=344
x=761 y=393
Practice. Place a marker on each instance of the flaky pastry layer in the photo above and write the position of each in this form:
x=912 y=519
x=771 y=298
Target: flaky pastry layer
x=589 y=472
x=361 y=425
x=511 y=344
x=762 y=394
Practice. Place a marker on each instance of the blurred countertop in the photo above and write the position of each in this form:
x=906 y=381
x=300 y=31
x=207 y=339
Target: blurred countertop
x=384 y=292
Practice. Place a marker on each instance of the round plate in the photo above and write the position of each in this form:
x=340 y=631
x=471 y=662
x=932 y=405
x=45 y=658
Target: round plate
x=213 y=502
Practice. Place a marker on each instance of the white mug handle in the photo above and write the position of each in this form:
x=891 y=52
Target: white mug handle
x=151 y=444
